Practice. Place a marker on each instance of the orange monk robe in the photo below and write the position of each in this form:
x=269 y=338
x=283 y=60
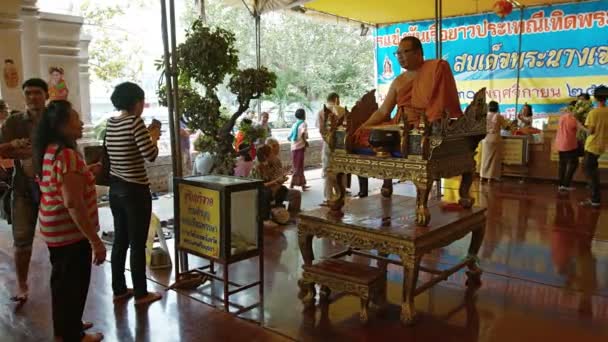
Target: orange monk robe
x=432 y=91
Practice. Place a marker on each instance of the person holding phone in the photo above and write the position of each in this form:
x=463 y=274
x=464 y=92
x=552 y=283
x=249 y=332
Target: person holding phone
x=67 y=218
x=129 y=144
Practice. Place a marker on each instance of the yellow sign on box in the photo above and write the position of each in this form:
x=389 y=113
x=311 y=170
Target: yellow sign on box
x=199 y=220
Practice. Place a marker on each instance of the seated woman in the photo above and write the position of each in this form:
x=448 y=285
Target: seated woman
x=273 y=177
x=294 y=197
x=525 y=118
x=244 y=162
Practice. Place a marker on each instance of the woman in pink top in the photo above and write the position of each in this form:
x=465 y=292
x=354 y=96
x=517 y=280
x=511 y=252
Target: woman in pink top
x=298 y=138
x=566 y=145
x=244 y=163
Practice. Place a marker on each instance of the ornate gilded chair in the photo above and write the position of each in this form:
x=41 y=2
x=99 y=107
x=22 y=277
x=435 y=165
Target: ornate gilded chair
x=420 y=154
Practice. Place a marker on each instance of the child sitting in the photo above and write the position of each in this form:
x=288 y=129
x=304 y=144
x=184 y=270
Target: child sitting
x=244 y=162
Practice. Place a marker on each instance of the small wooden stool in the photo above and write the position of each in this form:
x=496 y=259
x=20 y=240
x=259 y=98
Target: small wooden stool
x=366 y=282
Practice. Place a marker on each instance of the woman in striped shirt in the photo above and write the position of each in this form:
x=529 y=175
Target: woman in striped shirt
x=67 y=217
x=129 y=144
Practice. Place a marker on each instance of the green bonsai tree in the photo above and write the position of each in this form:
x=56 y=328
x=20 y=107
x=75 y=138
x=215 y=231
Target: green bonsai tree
x=205 y=59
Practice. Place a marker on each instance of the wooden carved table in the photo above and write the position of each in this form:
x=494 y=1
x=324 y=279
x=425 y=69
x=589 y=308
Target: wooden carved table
x=419 y=171
x=388 y=226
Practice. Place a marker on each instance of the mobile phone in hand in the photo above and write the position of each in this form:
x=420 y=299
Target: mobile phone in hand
x=156 y=124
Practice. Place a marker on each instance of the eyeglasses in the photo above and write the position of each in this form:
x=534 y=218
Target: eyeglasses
x=401 y=53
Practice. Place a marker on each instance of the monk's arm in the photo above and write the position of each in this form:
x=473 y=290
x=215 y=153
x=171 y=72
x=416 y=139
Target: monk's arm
x=383 y=113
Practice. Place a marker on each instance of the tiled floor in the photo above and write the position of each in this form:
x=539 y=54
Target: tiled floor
x=546 y=278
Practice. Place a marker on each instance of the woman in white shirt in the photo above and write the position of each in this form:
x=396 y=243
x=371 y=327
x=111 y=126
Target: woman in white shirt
x=491 y=155
x=298 y=138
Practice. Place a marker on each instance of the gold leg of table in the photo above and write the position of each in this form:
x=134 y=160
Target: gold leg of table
x=411 y=265
x=337 y=203
x=474 y=272
x=379 y=299
x=364 y=314
x=307 y=289
x=464 y=190
x=387 y=188
x=307 y=293
x=423 y=189
x=324 y=294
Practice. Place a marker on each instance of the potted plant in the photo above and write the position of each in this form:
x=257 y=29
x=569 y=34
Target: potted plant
x=205 y=59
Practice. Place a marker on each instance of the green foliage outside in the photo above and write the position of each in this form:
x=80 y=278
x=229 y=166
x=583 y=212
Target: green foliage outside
x=310 y=57
x=110 y=58
x=205 y=59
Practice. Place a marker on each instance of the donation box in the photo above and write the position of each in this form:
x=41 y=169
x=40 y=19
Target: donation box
x=219 y=217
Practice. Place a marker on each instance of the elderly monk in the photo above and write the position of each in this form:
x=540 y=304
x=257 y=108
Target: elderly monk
x=425 y=87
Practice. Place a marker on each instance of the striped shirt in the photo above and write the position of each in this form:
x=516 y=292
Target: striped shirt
x=129 y=145
x=54 y=219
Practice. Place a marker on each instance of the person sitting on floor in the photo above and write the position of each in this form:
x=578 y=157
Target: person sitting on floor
x=244 y=162
x=294 y=197
x=272 y=174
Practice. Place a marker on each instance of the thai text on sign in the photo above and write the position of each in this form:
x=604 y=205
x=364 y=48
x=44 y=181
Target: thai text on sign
x=199 y=225
x=564 y=52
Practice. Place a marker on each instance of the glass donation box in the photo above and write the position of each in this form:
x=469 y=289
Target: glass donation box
x=217 y=218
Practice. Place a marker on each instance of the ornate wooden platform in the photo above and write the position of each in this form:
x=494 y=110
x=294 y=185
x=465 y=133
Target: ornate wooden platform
x=388 y=226
x=425 y=153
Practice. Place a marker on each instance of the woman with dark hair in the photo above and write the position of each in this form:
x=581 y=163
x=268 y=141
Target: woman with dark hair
x=491 y=152
x=129 y=144
x=525 y=116
x=67 y=217
x=244 y=163
x=298 y=138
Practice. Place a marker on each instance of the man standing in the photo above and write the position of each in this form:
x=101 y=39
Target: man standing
x=333 y=105
x=264 y=125
x=25 y=197
x=184 y=136
x=595 y=145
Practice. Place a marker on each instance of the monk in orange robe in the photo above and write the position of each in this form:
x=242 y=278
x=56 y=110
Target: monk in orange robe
x=425 y=87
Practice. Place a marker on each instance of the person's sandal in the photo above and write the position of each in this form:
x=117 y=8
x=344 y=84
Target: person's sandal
x=149 y=298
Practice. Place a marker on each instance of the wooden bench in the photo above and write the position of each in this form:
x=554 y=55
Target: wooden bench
x=366 y=282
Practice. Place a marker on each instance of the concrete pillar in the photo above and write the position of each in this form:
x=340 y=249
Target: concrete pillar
x=85 y=80
x=29 y=39
x=11 y=75
x=85 y=93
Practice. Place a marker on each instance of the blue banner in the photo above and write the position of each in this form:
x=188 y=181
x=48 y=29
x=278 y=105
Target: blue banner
x=564 y=52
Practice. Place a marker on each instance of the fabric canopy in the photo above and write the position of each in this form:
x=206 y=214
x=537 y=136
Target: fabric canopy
x=380 y=12
x=265 y=6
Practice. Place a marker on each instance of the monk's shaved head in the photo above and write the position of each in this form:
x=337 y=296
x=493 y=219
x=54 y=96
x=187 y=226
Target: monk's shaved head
x=416 y=43
x=410 y=54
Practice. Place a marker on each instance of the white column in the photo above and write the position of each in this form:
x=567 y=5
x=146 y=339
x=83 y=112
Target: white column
x=85 y=81
x=11 y=75
x=60 y=47
x=29 y=39
x=85 y=94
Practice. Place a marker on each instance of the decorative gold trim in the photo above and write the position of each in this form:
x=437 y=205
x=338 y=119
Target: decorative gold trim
x=386 y=242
